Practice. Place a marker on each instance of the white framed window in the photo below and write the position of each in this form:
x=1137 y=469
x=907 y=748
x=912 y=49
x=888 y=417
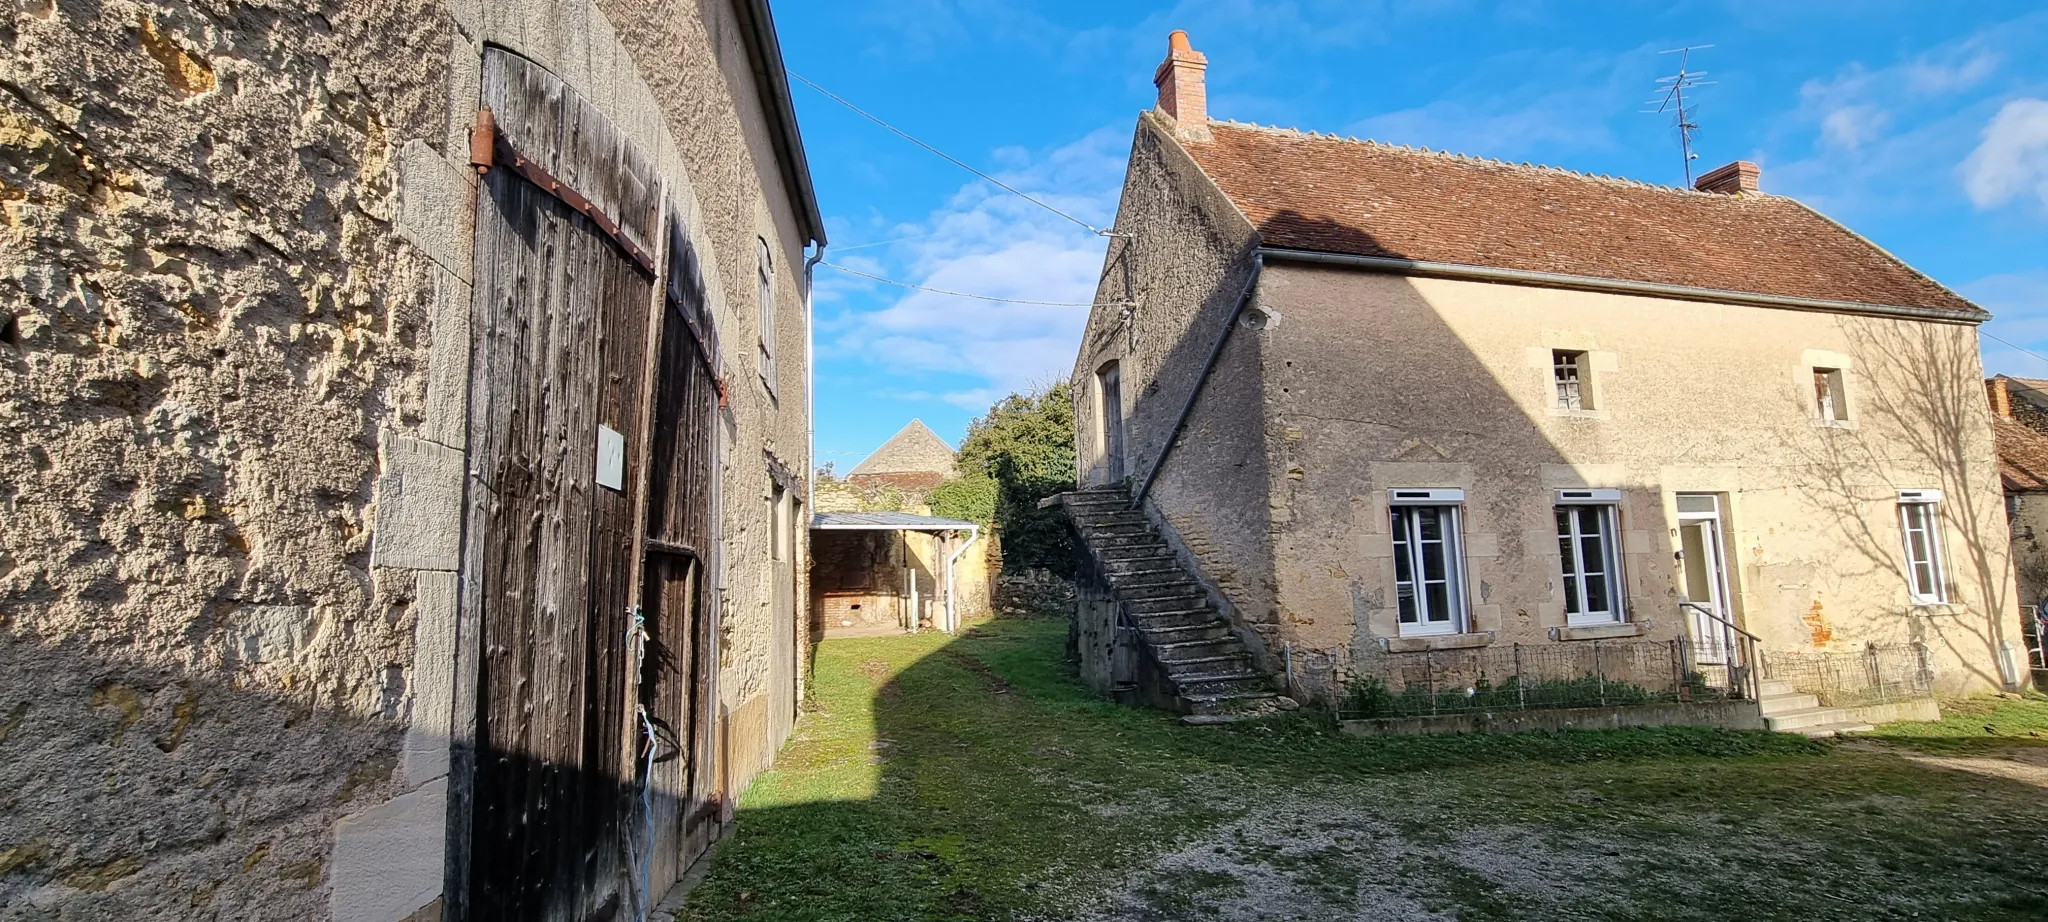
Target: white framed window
x=765 y=298
x=1920 y=521
x=1588 y=529
x=1830 y=401
x=1429 y=560
x=1568 y=372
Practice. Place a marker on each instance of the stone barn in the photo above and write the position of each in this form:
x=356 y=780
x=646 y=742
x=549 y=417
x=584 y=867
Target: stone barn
x=399 y=404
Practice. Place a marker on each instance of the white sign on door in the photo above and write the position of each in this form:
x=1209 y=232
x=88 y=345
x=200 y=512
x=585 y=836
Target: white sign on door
x=611 y=458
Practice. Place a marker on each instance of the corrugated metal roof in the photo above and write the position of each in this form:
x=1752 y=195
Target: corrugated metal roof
x=886 y=521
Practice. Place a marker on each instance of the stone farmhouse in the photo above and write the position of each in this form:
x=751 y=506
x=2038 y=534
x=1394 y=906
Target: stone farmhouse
x=406 y=417
x=1344 y=408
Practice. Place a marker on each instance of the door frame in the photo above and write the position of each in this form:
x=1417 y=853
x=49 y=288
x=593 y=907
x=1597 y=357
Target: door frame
x=1109 y=399
x=1714 y=642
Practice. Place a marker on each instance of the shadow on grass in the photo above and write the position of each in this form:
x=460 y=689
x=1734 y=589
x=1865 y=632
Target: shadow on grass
x=936 y=778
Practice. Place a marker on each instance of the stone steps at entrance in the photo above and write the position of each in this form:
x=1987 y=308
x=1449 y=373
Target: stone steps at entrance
x=1207 y=667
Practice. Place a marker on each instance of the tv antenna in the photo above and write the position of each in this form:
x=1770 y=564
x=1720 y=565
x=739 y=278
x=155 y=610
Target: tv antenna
x=1672 y=99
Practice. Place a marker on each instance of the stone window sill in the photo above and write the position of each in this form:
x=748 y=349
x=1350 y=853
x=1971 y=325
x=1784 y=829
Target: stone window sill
x=1426 y=642
x=1601 y=631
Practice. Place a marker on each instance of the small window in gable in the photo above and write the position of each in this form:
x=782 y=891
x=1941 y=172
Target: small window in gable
x=1829 y=401
x=1568 y=370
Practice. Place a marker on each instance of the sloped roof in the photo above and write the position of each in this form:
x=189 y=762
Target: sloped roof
x=915 y=449
x=1334 y=195
x=2022 y=455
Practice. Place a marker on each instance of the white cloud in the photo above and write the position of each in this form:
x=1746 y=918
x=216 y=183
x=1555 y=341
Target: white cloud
x=988 y=242
x=1851 y=127
x=1966 y=67
x=2011 y=159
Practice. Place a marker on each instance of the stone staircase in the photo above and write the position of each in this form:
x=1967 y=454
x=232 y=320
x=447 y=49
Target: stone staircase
x=1788 y=711
x=1207 y=667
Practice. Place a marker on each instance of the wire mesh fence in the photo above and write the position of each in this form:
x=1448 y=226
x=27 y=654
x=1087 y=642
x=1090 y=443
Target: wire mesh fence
x=1534 y=677
x=1878 y=674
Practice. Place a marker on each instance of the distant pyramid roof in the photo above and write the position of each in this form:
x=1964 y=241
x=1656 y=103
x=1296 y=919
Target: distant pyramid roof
x=915 y=450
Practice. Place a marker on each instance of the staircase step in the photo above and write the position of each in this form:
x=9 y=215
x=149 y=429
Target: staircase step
x=1098 y=516
x=1146 y=566
x=1190 y=650
x=1217 y=704
x=1771 y=688
x=1805 y=717
x=1836 y=729
x=1152 y=579
x=1182 y=588
x=1772 y=705
x=1141 y=563
x=1212 y=630
x=1168 y=605
x=1235 y=663
x=1130 y=550
x=1198 y=686
x=1179 y=620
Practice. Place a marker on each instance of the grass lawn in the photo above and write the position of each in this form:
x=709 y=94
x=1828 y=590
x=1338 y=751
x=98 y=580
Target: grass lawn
x=938 y=778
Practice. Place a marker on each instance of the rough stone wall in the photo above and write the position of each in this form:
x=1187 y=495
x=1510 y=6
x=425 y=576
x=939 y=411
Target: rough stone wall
x=208 y=317
x=1686 y=397
x=233 y=336
x=1184 y=268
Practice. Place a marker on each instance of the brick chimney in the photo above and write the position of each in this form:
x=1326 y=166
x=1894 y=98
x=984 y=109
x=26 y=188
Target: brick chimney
x=2001 y=397
x=1182 y=95
x=1733 y=179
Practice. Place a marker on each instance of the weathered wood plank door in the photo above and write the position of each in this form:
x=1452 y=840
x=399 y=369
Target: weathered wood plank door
x=557 y=371
x=679 y=688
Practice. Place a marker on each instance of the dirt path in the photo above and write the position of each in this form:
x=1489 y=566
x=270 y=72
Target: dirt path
x=2024 y=764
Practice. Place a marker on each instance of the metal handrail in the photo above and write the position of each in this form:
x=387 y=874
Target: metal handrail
x=1702 y=609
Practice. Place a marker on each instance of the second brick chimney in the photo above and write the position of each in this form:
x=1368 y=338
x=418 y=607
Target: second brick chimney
x=2001 y=397
x=1733 y=179
x=1182 y=95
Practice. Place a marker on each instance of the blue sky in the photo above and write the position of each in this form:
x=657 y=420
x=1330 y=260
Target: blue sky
x=1923 y=126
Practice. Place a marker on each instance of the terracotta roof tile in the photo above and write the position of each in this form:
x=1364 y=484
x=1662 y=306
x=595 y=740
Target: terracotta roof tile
x=2022 y=455
x=1336 y=195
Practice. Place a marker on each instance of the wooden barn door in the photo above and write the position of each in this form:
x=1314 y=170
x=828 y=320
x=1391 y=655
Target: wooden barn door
x=558 y=380
x=679 y=687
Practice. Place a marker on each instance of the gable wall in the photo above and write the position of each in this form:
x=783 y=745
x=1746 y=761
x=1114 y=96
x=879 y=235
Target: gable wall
x=1183 y=268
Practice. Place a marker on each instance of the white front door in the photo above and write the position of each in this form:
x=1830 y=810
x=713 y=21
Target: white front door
x=1706 y=575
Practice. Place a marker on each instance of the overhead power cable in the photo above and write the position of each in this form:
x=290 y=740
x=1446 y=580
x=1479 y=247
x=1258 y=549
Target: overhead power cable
x=2017 y=346
x=878 y=243
x=1013 y=190
x=957 y=294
